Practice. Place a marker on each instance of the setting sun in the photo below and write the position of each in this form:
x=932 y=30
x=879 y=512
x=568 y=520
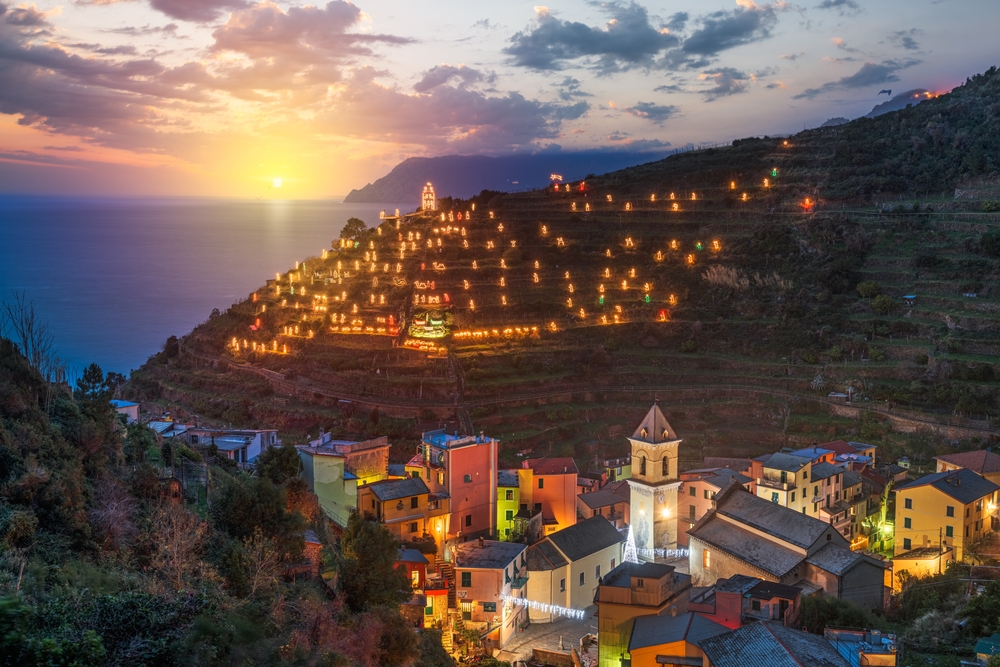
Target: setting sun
x=276 y=183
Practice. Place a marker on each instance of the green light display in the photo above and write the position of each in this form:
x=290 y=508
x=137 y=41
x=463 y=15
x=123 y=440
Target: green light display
x=774 y=172
x=699 y=246
x=600 y=300
x=647 y=298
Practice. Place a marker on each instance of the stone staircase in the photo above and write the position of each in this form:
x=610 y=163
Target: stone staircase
x=447 y=570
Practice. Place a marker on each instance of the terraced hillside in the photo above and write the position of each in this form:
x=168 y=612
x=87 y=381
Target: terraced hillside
x=739 y=286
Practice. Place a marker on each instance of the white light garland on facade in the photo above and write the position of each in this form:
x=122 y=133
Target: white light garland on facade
x=664 y=553
x=543 y=607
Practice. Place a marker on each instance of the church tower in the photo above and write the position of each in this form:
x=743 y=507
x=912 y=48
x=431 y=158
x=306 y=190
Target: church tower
x=654 y=483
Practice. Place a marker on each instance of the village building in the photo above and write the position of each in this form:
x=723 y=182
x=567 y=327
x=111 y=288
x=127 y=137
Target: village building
x=746 y=534
x=490 y=581
x=741 y=599
x=862 y=647
x=611 y=502
x=698 y=490
x=127 y=408
x=654 y=484
x=508 y=503
x=632 y=590
x=549 y=485
x=415 y=564
x=565 y=568
x=770 y=644
x=983 y=462
x=944 y=510
x=617 y=469
x=240 y=445
x=334 y=469
x=404 y=506
x=463 y=469
x=671 y=639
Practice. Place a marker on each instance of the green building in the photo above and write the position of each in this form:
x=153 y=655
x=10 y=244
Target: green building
x=508 y=499
x=617 y=469
x=335 y=487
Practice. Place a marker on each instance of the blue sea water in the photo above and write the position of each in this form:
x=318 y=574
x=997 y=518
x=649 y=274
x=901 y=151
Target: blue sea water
x=113 y=278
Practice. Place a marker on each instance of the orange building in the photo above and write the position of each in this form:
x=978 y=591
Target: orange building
x=549 y=485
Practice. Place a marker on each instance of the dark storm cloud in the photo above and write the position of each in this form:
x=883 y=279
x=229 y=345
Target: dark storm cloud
x=870 y=74
x=656 y=113
x=724 y=30
x=628 y=40
x=727 y=80
x=442 y=74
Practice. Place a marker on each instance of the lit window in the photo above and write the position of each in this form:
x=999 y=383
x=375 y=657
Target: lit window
x=706 y=558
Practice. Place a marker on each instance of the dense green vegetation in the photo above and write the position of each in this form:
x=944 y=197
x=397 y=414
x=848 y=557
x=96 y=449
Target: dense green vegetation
x=101 y=565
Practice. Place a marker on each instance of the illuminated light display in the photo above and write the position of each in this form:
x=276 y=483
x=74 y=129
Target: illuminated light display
x=586 y=207
x=774 y=172
x=560 y=242
x=672 y=300
x=491 y=215
x=652 y=197
x=571 y=288
x=497 y=333
x=465 y=284
x=503 y=283
x=600 y=288
x=672 y=196
x=465 y=244
x=567 y=188
x=572 y=206
x=500 y=227
x=628 y=206
x=646 y=287
x=475 y=265
x=513 y=244
x=463 y=231
x=545 y=230
x=767 y=182
x=569 y=303
x=609 y=198
x=694 y=196
x=600 y=300
x=675 y=245
x=664 y=316
x=807 y=204
x=732 y=185
x=698 y=246
x=583 y=314
x=607 y=253
x=745 y=197
x=534 y=277
x=676 y=207
x=659 y=255
x=716 y=245
x=503 y=300
x=472 y=304
x=607 y=273
x=553 y=327
x=631 y=272
x=604 y=319
x=690 y=259
x=629 y=243
x=537 y=265
x=503 y=264
x=624 y=284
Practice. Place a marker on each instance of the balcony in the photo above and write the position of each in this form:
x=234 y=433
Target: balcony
x=772 y=483
x=518 y=582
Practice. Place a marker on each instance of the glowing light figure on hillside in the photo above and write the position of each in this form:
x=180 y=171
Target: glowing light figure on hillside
x=545 y=230
x=413 y=246
x=534 y=277
x=698 y=246
x=628 y=206
x=672 y=196
x=672 y=300
x=652 y=198
x=807 y=204
x=500 y=227
x=439 y=242
x=472 y=304
x=489 y=245
x=694 y=196
x=399 y=267
x=631 y=272
x=465 y=244
x=767 y=182
x=607 y=253
x=475 y=265
x=774 y=172
x=604 y=319
x=372 y=299
x=745 y=197
x=659 y=255
x=572 y=206
x=569 y=303
x=503 y=264
x=646 y=287
x=609 y=198
x=600 y=288
x=465 y=284
x=586 y=207
x=571 y=289
x=560 y=242
x=566 y=275
x=624 y=284
x=503 y=300
x=690 y=260
x=675 y=207
x=463 y=231
x=629 y=243
x=503 y=283
x=567 y=188
x=491 y=215
x=716 y=245
x=357 y=265
x=430 y=243
x=607 y=272
x=354 y=309
x=513 y=244
x=732 y=185
x=537 y=266
x=583 y=314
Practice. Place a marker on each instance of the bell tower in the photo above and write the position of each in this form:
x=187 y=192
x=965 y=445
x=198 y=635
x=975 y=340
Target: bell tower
x=654 y=484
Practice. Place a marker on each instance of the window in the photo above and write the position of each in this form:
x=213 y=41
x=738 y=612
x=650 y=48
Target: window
x=966 y=512
x=793 y=496
x=413 y=526
x=664 y=470
x=805 y=474
x=468 y=520
x=541 y=483
x=774 y=496
x=414 y=502
x=618 y=470
x=581 y=578
x=490 y=607
x=755 y=605
x=506 y=532
x=706 y=559
x=524 y=507
x=416 y=474
x=691 y=511
x=612 y=563
x=595 y=512
x=906 y=544
x=694 y=492
x=466 y=579
x=538 y=507
x=468 y=478
x=705 y=492
x=949 y=511
x=908 y=503
x=510 y=494
x=815 y=491
x=440 y=479
x=828 y=536
x=907 y=523
x=562 y=585
x=429 y=609
x=838 y=479
x=949 y=531
x=828 y=481
x=639 y=583
x=466 y=611
x=373 y=503
x=597 y=572
x=509 y=515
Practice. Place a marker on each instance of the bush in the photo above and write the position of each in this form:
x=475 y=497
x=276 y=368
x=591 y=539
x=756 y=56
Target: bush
x=869 y=289
x=877 y=354
x=689 y=346
x=883 y=304
x=990 y=206
x=818 y=612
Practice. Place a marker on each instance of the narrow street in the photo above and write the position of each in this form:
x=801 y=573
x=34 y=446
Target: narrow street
x=547 y=635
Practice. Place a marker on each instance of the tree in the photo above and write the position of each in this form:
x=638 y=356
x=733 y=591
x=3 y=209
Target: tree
x=178 y=537
x=139 y=439
x=818 y=612
x=279 y=464
x=244 y=505
x=883 y=304
x=26 y=329
x=983 y=611
x=869 y=289
x=92 y=387
x=432 y=653
x=368 y=574
x=353 y=228
x=263 y=561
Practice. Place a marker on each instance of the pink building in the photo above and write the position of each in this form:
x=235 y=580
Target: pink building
x=464 y=469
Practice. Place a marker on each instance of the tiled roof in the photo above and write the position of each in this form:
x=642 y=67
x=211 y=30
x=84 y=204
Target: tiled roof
x=621 y=489
x=748 y=547
x=850 y=479
x=492 y=555
x=559 y=466
x=543 y=556
x=656 y=630
x=835 y=559
x=963 y=485
x=507 y=478
x=770 y=644
x=981 y=461
x=411 y=556
x=824 y=470
x=602 y=498
x=621 y=576
x=765 y=590
x=394 y=489
x=786 y=462
x=812 y=453
x=397 y=469
x=783 y=523
x=656 y=426
x=586 y=537
x=738 y=583
x=725 y=476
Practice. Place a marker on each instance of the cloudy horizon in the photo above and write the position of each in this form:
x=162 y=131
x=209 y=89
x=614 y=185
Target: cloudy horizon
x=223 y=97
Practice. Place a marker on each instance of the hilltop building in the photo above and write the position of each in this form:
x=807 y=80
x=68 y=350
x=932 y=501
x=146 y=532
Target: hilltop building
x=489 y=576
x=463 y=469
x=428 y=200
x=405 y=506
x=745 y=534
x=982 y=462
x=549 y=486
x=632 y=590
x=654 y=483
x=240 y=445
x=334 y=469
x=565 y=568
x=127 y=408
x=942 y=511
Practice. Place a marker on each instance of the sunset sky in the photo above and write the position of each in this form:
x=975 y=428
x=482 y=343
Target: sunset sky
x=223 y=97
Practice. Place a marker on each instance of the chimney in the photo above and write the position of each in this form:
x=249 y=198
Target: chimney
x=480 y=542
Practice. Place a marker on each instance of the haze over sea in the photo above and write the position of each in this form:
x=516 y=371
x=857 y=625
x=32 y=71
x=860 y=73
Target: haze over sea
x=113 y=278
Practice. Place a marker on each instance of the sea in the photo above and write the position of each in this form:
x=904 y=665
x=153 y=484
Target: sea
x=114 y=278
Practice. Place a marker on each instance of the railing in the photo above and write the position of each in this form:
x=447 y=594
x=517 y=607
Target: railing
x=775 y=484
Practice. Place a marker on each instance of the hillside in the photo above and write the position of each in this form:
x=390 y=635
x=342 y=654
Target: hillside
x=549 y=318
x=466 y=175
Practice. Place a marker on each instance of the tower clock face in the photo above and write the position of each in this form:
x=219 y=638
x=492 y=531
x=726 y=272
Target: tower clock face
x=660 y=498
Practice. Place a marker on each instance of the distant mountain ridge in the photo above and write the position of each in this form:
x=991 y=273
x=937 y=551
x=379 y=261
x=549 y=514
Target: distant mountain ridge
x=466 y=175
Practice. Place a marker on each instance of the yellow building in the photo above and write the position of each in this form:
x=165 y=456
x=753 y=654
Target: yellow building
x=405 y=506
x=508 y=498
x=565 y=568
x=629 y=591
x=335 y=487
x=948 y=509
